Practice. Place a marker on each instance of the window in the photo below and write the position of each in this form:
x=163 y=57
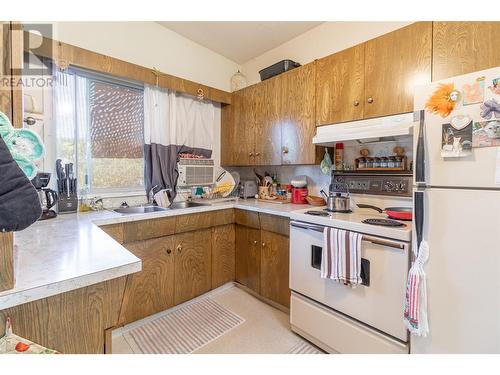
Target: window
x=100 y=128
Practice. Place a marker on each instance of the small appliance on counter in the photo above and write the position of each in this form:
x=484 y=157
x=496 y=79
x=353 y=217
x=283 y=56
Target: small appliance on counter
x=248 y=189
x=67 y=187
x=299 y=190
x=48 y=197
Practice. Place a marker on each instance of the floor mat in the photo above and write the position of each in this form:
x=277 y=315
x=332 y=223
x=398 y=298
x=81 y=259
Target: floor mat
x=185 y=330
x=304 y=347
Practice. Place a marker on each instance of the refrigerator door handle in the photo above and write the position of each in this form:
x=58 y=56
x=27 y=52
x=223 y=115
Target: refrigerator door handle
x=419 y=216
x=420 y=152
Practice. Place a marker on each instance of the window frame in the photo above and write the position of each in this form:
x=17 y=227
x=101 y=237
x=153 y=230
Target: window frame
x=90 y=76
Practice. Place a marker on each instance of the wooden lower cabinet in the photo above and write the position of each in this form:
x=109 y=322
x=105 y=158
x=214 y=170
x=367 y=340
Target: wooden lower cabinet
x=73 y=322
x=151 y=290
x=193 y=268
x=248 y=257
x=274 y=268
x=223 y=257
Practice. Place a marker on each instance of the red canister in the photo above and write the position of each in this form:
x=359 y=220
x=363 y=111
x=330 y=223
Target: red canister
x=299 y=195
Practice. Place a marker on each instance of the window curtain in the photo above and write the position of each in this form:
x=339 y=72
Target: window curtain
x=174 y=123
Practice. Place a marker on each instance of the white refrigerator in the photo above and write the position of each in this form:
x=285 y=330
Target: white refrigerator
x=457 y=211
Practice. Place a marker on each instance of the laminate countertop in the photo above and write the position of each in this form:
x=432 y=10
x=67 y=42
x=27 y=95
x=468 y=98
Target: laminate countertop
x=71 y=251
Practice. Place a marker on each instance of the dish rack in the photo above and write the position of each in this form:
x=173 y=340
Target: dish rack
x=219 y=196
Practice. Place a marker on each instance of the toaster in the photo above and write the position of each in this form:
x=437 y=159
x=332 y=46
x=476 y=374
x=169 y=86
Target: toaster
x=248 y=189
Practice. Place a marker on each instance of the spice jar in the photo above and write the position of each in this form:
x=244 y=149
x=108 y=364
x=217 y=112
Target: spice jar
x=361 y=163
x=392 y=162
x=376 y=162
x=383 y=162
x=369 y=162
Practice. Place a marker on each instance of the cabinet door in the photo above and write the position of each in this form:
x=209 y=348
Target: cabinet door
x=340 y=86
x=394 y=64
x=227 y=132
x=242 y=134
x=152 y=289
x=192 y=264
x=248 y=257
x=464 y=47
x=266 y=104
x=274 y=269
x=223 y=257
x=297 y=115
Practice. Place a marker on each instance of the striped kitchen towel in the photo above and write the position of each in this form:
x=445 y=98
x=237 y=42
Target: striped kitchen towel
x=415 y=310
x=341 y=256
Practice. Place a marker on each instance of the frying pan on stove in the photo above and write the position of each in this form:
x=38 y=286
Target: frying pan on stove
x=397 y=213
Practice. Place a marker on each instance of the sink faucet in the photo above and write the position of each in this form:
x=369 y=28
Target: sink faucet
x=151 y=194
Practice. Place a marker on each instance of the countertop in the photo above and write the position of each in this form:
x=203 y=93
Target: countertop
x=71 y=251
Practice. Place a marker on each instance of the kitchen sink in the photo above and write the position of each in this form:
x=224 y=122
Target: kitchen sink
x=177 y=205
x=139 y=210
x=148 y=209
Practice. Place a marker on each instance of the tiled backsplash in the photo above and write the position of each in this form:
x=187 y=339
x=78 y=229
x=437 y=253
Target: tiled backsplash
x=315 y=179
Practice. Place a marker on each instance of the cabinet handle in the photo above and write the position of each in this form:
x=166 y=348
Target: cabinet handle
x=263 y=244
x=285 y=150
x=250 y=154
x=179 y=249
x=257 y=153
x=356 y=103
x=370 y=100
x=169 y=251
x=255 y=242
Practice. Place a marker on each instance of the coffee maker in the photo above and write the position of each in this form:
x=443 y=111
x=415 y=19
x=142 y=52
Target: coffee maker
x=48 y=197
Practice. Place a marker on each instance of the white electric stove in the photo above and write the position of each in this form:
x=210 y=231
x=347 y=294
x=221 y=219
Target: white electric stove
x=368 y=318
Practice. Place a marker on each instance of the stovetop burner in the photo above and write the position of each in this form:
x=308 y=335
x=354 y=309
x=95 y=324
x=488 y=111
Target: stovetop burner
x=384 y=222
x=317 y=213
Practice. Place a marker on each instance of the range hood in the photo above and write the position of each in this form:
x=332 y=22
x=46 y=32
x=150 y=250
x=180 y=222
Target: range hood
x=365 y=131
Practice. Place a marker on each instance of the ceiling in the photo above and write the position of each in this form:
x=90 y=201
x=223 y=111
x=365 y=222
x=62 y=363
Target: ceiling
x=239 y=41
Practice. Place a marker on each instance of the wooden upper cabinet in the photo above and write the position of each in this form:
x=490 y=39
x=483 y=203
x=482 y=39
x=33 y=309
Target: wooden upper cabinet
x=394 y=64
x=340 y=86
x=243 y=122
x=267 y=102
x=297 y=115
x=464 y=47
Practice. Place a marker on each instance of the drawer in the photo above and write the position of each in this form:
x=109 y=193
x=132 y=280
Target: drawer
x=275 y=224
x=247 y=218
x=146 y=229
x=336 y=333
x=194 y=221
x=223 y=217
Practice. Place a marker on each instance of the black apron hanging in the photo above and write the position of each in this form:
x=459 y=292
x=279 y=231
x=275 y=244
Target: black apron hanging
x=19 y=203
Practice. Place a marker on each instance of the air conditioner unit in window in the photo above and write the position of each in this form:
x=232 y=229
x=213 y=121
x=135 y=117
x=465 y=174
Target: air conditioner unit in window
x=195 y=172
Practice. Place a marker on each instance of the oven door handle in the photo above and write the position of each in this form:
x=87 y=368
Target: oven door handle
x=366 y=238
x=298 y=224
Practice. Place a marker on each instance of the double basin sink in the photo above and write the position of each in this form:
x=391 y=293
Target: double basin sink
x=148 y=209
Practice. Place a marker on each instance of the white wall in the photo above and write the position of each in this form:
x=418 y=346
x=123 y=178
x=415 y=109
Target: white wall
x=151 y=45
x=323 y=40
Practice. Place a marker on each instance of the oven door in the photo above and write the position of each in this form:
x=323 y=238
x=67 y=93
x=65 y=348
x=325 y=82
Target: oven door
x=378 y=303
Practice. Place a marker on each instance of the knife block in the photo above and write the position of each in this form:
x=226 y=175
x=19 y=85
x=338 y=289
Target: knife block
x=6 y=261
x=67 y=204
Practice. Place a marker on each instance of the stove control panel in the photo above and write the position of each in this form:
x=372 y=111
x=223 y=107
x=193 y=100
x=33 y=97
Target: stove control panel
x=380 y=184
